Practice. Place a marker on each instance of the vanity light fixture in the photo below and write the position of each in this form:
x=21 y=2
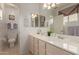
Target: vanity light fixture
x=45 y=5
x=34 y=15
x=50 y=5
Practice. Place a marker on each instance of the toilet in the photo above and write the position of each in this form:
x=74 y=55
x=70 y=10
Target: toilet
x=12 y=36
x=12 y=33
x=11 y=42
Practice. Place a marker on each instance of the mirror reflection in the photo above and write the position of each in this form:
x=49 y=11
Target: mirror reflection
x=38 y=20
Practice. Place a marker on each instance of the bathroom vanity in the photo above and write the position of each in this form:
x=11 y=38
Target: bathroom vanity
x=59 y=45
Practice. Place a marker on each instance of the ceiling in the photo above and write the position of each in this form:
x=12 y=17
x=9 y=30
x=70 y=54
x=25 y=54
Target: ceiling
x=64 y=5
x=59 y=7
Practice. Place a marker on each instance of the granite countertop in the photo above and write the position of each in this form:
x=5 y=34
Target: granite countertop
x=69 y=44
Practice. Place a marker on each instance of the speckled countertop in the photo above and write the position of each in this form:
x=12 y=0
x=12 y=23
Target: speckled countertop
x=68 y=43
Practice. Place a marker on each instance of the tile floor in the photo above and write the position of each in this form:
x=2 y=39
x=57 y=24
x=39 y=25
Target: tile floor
x=10 y=51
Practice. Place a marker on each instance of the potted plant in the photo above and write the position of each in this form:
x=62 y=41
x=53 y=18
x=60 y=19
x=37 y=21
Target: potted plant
x=49 y=32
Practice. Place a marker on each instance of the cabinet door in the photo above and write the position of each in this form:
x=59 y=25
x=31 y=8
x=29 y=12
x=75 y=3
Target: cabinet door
x=35 y=46
x=31 y=44
x=52 y=50
x=42 y=47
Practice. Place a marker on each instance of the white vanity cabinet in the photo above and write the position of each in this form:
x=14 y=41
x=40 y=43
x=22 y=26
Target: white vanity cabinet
x=42 y=48
x=53 y=50
x=36 y=47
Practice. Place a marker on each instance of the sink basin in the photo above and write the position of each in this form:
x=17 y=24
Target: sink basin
x=60 y=37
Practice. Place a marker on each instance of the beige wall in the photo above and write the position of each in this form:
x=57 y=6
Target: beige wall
x=58 y=24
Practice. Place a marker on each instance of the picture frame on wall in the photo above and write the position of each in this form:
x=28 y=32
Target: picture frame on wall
x=26 y=22
x=11 y=17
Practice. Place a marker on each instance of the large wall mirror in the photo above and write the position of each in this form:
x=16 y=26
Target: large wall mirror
x=38 y=20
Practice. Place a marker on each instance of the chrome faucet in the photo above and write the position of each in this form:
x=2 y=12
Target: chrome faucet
x=39 y=31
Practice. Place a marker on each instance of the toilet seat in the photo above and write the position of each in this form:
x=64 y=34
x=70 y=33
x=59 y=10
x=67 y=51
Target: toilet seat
x=11 y=40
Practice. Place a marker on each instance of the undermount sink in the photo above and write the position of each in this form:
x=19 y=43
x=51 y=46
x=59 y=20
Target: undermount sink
x=60 y=37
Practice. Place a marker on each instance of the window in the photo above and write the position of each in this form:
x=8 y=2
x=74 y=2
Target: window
x=70 y=18
x=73 y=17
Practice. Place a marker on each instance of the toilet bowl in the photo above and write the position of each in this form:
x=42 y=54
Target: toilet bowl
x=11 y=42
x=12 y=35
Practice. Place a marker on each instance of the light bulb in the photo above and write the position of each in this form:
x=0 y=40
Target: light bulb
x=35 y=15
x=45 y=5
x=32 y=14
x=53 y=5
x=49 y=7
